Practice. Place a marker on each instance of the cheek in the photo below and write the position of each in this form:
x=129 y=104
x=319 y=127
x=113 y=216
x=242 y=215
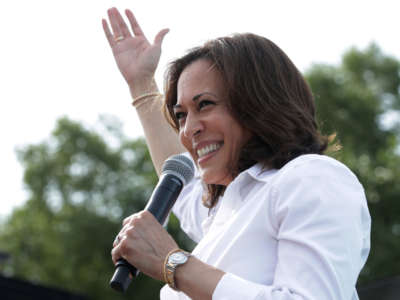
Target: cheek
x=184 y=141
x=242 y=137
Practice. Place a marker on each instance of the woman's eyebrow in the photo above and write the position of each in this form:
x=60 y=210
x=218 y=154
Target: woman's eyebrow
x=195 y=98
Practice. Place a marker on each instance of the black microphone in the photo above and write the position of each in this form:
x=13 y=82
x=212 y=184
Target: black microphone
x=176 y=172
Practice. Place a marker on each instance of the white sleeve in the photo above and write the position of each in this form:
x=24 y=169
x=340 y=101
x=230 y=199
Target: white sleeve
x=322 y=225
x=190 y=210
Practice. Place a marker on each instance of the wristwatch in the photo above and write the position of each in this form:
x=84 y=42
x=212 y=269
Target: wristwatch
x=173 y=261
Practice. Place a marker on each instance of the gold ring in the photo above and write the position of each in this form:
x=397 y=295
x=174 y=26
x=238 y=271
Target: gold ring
x=119 y=38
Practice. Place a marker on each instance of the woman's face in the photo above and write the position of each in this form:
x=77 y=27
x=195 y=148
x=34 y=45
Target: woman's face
x=206 y=128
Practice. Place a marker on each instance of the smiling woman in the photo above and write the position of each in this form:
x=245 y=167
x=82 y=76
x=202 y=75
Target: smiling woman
x=267 y=207
x=206 y=128
x=268 y=108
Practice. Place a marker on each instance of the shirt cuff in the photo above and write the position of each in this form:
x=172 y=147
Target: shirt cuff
x=233 y=287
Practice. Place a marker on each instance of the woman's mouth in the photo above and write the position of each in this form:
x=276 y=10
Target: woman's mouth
x=208 y=149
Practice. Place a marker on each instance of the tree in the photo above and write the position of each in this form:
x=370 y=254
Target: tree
x=360 y=101
x=81 y=186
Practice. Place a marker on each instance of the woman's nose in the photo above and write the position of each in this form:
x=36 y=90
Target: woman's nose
x=193 y=126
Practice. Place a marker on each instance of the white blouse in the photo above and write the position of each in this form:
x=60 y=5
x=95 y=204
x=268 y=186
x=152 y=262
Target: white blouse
x=300 y=232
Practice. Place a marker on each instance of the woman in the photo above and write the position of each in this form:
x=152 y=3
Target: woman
x=273 y=217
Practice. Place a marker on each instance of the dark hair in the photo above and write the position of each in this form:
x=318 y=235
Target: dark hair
x=267 y=95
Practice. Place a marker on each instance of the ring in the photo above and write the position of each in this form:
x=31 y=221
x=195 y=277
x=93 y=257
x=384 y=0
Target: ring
x=119 y=38
x=117 y=240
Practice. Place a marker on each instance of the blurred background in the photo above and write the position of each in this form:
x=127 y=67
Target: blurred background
x=73 y=161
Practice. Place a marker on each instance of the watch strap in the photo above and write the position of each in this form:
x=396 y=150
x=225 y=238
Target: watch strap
x=170 y=268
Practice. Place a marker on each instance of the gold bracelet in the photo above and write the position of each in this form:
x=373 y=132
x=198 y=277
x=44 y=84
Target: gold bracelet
x=142 y=98
x=165 y=264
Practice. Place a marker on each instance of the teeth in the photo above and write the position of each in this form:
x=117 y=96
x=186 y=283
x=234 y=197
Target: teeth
x=210 y=148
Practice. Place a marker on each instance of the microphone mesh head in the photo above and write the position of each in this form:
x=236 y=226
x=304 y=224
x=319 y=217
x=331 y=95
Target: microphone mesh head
x=180 y=166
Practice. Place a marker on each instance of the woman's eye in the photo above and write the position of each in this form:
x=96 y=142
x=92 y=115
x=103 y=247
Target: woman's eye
x=179 y=115
x=204 y=103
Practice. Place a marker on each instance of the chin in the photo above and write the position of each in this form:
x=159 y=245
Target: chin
x=223 y=179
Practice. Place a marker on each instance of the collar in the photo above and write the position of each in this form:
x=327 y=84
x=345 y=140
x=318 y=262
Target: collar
x=259 y=173
x=238 y=191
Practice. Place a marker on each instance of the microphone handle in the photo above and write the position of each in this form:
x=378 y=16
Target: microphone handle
x=160 y=204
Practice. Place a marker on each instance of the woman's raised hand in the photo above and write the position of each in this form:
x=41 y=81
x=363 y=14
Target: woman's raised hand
x=137 y=59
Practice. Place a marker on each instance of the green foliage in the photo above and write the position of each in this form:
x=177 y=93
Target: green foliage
x=360 y=101
x=80 y=190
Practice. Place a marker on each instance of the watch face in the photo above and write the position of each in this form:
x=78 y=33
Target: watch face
x=177 y=258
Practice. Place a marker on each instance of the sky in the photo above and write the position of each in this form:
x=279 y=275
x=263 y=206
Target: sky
x=55 y=60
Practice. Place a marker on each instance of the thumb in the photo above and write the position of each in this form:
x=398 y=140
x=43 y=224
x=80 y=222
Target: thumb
x=160 y=37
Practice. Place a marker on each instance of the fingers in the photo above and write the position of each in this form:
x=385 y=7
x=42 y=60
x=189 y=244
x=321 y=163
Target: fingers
x=126 y=224
x=126 y=242
x=119 y=245
x=128 y=219
x=118 y=25
x=144 y=243
x=121 y=24
x=116 y=252
x=118 y=239
x=114 y=24
x=121 y=30
x=108 y=33
x=139 y=215
x=160 y=37
x=134 y=24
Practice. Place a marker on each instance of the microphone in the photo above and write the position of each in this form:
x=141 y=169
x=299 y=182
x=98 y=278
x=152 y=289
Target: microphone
x=176 y=172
